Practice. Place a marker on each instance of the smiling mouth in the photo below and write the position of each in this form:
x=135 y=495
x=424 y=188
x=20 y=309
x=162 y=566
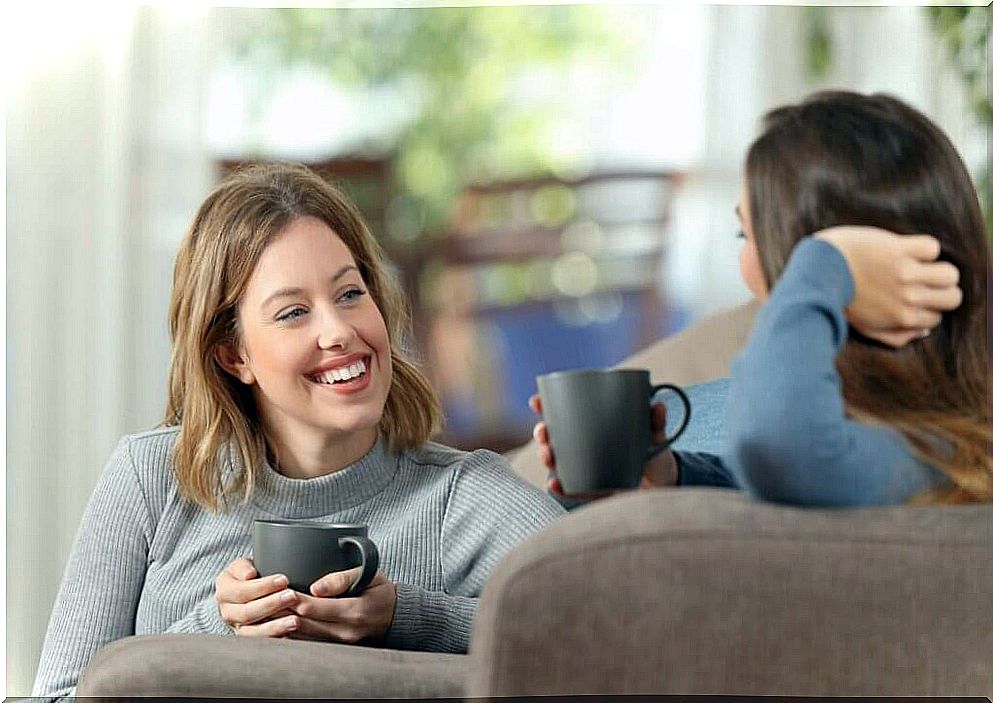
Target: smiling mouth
x=343 y=375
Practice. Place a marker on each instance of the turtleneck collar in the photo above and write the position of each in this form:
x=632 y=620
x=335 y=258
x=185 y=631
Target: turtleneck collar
x=324 y=495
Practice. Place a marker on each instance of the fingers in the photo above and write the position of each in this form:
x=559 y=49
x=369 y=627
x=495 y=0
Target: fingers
x=232 y=589
x=242 y=569
x=554 y=486
x=658 y=423
x=280 y=627
x=947 y=298
x=349 y=620
x=534 y=402
x=244 y=600
x=335 y=583
x=923 y=247
x=238 y=615
x=919 y=319
x=938 y=274
x=545 y=454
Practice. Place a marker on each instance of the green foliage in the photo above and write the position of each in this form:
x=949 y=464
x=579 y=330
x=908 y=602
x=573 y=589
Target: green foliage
x=966 y=32
x=460 y=67
x=818 y=42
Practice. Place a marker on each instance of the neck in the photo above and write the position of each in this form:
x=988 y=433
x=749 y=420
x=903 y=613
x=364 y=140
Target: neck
x=315 y=456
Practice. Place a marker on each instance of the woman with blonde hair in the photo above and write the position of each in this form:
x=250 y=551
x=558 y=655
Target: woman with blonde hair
x=866 y=378
x=292 y=396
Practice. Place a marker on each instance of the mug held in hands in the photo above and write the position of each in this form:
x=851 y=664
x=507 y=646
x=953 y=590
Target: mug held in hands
x=305 y=551
x=600 y=426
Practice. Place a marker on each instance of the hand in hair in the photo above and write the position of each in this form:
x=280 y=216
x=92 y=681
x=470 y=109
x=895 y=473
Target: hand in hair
x=661 y=470
x=900 y=287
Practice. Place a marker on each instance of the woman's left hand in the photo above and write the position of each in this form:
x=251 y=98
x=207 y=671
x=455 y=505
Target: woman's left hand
x=366 y=617
x=900 y=287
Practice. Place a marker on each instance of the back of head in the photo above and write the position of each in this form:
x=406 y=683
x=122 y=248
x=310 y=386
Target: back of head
x=844 y=158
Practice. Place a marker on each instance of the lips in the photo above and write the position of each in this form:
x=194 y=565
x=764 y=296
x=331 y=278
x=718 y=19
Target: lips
x=350 y=373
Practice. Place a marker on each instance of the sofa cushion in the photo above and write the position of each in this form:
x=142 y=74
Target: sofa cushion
x=214 y=666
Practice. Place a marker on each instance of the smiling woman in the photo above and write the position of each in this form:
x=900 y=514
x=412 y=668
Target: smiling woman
x=290 y=397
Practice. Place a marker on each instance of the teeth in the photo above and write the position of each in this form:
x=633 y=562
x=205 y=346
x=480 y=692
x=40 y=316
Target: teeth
x=344 y=373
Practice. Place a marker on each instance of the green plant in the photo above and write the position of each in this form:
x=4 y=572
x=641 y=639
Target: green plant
x=966 y=32
x=463 y=68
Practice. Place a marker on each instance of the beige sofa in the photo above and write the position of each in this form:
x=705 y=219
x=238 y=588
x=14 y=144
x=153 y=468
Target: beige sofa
x=671 y=592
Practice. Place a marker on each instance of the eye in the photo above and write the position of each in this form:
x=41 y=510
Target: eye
x=291 y=314
x=740 y=234
x=351 y=295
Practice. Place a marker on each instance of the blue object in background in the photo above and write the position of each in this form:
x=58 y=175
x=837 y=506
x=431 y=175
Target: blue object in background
x=536 y=340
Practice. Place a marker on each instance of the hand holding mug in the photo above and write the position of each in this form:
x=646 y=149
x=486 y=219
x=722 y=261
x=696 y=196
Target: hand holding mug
x=660 y=471
x=330 y=615
x=255 y=606
x=604 y=431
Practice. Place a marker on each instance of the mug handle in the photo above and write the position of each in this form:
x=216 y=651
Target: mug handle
x=370 y=562
x=656 y=448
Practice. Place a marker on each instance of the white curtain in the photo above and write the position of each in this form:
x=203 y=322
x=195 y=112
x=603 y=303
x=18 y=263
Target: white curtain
x=756 y=63
x=104 y=168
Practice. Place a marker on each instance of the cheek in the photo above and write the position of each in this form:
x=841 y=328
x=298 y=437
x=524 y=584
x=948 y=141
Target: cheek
x=377 y=336
x=751 y=271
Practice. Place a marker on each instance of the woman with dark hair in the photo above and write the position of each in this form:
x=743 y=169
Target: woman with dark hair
x=819 y=412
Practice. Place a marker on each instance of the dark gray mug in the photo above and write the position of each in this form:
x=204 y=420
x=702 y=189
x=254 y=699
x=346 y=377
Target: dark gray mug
x=600 y=426
x=305 y=551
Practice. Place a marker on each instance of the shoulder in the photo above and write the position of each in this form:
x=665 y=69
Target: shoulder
x=146 y=458
x=479 y=465
x=482 y=480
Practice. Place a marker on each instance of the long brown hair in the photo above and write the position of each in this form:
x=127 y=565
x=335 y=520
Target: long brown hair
x=844 y=158
x=216 y=413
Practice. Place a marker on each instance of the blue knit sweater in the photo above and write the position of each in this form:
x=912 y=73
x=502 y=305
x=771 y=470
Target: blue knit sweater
x=786 y=437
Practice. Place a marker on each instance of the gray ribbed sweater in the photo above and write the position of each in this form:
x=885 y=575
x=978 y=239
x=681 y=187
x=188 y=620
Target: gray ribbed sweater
x=145 y=559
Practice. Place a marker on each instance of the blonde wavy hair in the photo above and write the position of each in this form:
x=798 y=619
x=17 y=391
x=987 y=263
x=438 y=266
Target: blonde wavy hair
x=216 y=414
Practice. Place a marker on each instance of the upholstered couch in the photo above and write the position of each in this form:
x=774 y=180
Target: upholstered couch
x=672 y=591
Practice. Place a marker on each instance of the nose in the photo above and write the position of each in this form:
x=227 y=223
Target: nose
x=335 y=332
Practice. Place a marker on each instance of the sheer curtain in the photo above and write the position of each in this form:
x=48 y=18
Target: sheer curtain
x=756 y=63
x=104 y=168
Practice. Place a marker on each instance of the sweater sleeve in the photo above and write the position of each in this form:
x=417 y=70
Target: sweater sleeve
x=789 y=439
x=703 y=469
x=99 y=594
x=490 y=510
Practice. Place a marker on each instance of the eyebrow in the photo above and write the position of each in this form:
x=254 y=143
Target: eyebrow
x=291 y=291
x=737 y=211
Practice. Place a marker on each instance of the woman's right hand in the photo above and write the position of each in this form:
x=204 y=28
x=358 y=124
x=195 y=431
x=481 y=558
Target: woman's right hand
x=661 y=470
x=253 y=606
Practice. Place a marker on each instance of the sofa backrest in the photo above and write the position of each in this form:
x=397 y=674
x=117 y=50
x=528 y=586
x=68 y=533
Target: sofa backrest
x=704 y=591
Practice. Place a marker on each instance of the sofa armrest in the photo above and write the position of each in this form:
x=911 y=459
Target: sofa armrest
x=704 y=591
x=214 y=666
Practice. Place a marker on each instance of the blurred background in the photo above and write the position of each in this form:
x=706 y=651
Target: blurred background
x=555 y=186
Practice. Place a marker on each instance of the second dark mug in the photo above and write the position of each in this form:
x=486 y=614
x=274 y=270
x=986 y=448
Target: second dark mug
x=600 y=426
x=305 y=551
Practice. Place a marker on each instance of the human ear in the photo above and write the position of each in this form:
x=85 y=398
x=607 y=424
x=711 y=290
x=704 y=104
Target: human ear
x=233 y=360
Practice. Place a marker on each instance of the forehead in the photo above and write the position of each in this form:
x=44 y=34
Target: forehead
x=304 y=253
